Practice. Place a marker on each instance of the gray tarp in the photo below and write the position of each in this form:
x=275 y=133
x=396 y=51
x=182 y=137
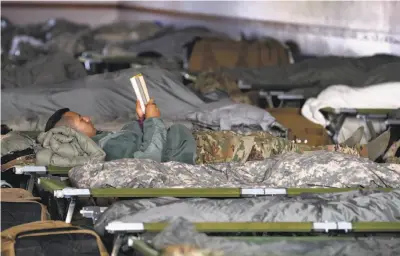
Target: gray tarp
x=24 y=41
x=353 y=206
x=170 y=44
x=311 y=76
x=70 y=37
x=115 y=38
x=46 y=70
x=102 y=96
x=182 y=232
x=319 y=168
x=110 y=97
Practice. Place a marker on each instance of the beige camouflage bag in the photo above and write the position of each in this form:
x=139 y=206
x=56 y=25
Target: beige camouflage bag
x=212 y=84
x=210 y=54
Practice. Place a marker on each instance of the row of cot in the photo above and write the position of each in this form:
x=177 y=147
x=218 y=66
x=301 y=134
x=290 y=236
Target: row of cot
x=53 y=181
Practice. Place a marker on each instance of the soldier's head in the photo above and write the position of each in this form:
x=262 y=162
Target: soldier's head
x=65 y=117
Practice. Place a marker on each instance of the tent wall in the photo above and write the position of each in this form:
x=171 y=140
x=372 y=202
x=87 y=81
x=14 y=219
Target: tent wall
x=351 y=28
x=368 y=15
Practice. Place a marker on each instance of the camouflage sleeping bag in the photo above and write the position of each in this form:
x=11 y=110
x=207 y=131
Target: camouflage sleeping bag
x=318 y=168
x=181 y=232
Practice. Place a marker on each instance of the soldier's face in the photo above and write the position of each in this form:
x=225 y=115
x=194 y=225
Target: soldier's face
x=82 y=124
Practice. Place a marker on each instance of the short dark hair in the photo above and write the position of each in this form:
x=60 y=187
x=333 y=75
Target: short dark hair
x=55 y=118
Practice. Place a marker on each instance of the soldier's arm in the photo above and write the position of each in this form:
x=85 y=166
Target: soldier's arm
x=154 y=140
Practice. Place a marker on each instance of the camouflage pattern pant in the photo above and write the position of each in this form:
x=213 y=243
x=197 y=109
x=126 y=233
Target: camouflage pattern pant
x=228 y=146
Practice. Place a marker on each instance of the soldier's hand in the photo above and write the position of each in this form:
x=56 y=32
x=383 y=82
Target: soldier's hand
x=139 y=111
x=152 y=110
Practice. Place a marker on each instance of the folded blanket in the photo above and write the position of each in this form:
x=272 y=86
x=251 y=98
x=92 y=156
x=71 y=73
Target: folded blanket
x=65 y=147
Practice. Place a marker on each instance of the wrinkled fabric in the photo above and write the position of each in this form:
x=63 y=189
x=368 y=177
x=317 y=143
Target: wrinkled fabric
x=377 y=96
x=7 y=29
x=224 y=114
x=353 y=206
x=229 y=146
x=46 y=70
x=152 y=141
x=14 y=141
x=103 y=97
x=44 y=36
x=310 y=77
x=133 y=142
x=170 y=44
x=25 y=48
x=109 y=97
x=70 y=37
x=181 y=232
x=65 y=147
x=318 y=168
x=123 y=31
x=214 y=86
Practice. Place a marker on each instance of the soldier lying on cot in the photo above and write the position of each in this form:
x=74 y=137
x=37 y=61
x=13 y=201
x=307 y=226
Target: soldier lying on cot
x=149 y=138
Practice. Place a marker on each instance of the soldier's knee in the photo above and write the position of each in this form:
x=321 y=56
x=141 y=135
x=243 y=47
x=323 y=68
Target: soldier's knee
x=178 y=130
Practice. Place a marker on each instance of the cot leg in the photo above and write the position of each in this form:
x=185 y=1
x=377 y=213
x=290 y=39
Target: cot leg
x=371 y=129
x=31 y=182
x=269 y=101
x=335 y=126
x=71 y=209
x=117 y=245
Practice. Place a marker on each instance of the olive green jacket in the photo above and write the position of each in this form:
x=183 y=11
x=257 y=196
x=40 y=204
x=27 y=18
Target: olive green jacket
x=154 y=142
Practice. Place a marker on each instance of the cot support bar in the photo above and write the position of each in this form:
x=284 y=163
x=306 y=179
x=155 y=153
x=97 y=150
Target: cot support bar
x=161 y=192
x=72 y=192
x=60 y=191
x=27 y=169
x=51 y=185
x=118 y=227
x=71 y=209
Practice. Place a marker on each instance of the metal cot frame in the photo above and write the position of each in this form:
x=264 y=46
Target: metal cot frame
x=337 y=116
x=130 y=233
x=61 y=190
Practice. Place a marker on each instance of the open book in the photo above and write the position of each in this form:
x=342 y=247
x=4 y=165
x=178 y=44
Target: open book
x=140 y=88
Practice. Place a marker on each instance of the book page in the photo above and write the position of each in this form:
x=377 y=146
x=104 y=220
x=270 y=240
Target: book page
x=140 y=88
